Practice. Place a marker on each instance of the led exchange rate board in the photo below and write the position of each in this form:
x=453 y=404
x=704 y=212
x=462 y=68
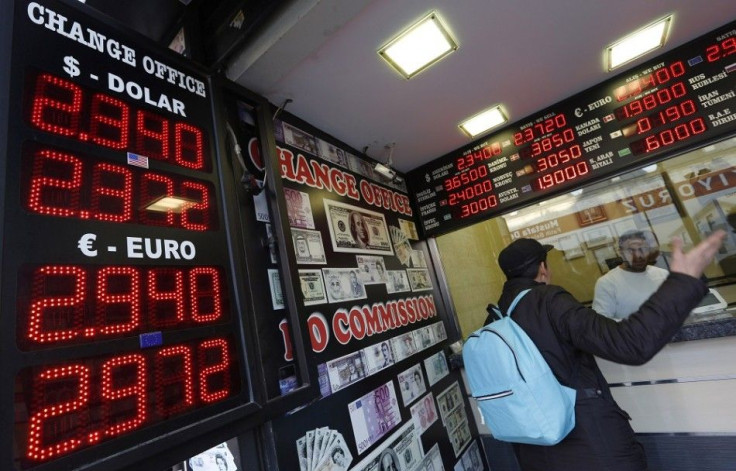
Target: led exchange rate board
x=674 y=102
x=118 y=320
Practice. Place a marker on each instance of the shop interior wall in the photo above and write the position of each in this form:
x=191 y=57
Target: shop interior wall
x=366 y=395
x=469 y=259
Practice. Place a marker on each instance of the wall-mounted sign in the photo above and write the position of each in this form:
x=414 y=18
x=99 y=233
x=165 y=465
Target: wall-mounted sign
x=117 y=309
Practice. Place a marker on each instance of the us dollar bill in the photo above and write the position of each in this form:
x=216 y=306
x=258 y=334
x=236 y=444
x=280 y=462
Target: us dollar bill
x=313 y=289
x=357 y=230
x=448 y=400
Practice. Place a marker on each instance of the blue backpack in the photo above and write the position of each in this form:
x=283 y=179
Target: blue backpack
x=518 y=395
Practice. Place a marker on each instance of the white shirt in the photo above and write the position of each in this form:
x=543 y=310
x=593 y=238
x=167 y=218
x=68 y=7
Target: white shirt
x=619 y=293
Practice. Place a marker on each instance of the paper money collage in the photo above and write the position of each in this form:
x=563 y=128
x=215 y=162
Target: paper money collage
x=341 y=372
x=305 y=141
x=323 y=449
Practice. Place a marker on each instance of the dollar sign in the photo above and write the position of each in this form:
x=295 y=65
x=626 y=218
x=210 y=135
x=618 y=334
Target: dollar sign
x=71 y=66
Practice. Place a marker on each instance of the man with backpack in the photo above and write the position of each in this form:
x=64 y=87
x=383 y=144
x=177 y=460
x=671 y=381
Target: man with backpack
x=569 y=335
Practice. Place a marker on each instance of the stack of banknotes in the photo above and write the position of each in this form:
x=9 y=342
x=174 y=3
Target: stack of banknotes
x=323 y=449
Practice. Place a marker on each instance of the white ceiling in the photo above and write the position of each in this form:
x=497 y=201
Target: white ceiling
x=524 y=54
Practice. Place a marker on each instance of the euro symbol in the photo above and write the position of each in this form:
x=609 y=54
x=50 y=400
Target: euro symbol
x=578 y=112
x=85 y=245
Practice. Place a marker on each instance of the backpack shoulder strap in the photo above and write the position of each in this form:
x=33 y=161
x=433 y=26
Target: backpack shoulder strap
x=492 y=309
x=516 y=301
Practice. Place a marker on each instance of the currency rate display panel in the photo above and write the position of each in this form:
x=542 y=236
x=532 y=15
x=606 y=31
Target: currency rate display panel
x=677 y=101
x=119 y=324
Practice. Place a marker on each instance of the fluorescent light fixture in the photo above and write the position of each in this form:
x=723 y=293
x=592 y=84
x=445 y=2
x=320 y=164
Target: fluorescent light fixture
x=169 y=203
x=385 y=171
x=483 y=121
x=637 y=44
x=419 y=46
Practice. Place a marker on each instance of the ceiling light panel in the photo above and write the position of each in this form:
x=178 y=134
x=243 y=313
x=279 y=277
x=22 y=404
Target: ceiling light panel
x=421 y=45
x=483 y=121
x=638 y=43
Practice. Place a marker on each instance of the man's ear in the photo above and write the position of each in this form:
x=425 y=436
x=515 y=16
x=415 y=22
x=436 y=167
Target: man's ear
x=542 y=272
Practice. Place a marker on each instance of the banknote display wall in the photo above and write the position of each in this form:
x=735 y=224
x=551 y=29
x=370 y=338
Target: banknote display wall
x=376 y=324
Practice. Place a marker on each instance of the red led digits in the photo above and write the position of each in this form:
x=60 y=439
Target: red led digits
x=668 y=137
x=540 y=129
x=112 y=193
x=61 y=107
x=659 y=77
x=124 y=390
x=485 y=153
x=466 y=177
x=73 y=304
x=152 y=135
x=60 y=405
x=118 y=300
x=174 y=380
x=554 y=141
x=56 y=180
x=723 y=49
x=214 y=367
x=66 y=185
x=476 y=207
x=195 y=216
x=668 y=115
x=154 y=187
x=166 y=296
x=188 y=152
x=561 y=176
x=204 y=289
x=109 y=122
x=651 y=101
x=56 y=312
x=558 y=158
x=69 y=409
x=470 y=192
x=56 y=105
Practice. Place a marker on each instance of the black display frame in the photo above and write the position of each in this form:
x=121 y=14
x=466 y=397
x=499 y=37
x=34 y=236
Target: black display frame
x=263 y=111
x=165 y=442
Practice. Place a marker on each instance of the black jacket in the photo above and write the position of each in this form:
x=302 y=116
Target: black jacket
x=569 y=335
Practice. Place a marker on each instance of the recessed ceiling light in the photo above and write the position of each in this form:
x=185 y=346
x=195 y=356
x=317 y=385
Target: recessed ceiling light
x=638 y=43
x=483 y=121
x=419 y=46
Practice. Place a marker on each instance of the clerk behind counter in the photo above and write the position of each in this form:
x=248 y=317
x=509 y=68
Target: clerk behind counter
x=622 y=290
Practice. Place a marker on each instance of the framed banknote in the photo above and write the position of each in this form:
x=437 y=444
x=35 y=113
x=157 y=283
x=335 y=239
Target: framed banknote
x=313 y=288
x=424 y=413
x=357 y=230
x=374 y=415
x=299 y=209
x=401 y=451
x=308 y=247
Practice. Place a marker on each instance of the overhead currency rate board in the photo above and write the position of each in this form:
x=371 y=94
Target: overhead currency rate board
x=677 y=101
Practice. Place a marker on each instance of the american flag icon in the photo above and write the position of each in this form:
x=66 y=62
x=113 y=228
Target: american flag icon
x=137 y=160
